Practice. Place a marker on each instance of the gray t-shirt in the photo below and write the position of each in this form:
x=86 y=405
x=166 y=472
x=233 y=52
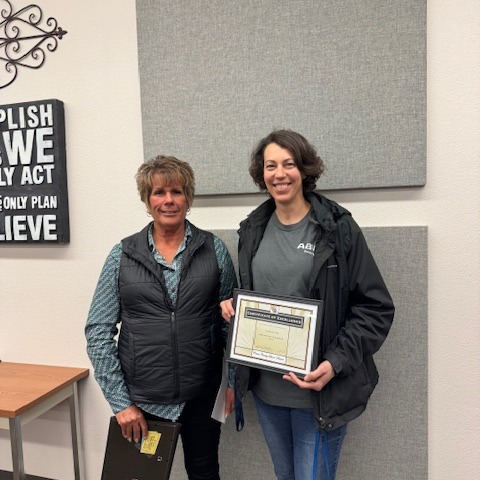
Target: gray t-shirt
x=282 y=266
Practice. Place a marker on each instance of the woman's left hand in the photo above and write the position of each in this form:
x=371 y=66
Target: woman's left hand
x=314 y=380
x=229 y=401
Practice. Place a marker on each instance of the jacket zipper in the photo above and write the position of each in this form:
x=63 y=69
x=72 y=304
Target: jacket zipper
x=176 y=387
x=173 y=321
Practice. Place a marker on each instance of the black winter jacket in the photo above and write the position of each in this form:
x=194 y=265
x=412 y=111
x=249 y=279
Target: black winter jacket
x=170 y=355
x=357 y=307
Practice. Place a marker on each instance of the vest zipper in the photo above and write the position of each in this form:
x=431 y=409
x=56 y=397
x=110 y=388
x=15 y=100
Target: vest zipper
x=176 y=363
x=176 y=388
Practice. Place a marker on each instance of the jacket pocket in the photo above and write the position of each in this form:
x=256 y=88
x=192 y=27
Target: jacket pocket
x=126 y=352
x=343 y=394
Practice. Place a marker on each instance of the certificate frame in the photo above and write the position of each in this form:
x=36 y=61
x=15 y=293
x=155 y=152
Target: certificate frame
x=279 y=333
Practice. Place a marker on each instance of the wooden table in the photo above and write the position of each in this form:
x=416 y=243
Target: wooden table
x=26 y=392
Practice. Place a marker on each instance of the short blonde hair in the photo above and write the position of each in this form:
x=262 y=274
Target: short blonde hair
x=174 y=172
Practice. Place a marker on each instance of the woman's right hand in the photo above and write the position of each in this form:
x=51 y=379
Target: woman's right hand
x=227 y=309
x=132 y=423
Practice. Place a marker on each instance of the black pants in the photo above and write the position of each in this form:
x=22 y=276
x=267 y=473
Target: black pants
x=200 y=438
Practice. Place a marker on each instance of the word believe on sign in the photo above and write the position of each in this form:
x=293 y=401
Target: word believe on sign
x=33 y=175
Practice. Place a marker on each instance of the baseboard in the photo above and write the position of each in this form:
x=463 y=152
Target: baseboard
x=9 y=476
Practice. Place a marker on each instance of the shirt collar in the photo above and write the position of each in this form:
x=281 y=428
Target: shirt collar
x=186 y=238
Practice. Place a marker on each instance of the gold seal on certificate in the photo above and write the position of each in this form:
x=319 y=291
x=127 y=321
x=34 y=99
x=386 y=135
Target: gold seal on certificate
x=275 y=332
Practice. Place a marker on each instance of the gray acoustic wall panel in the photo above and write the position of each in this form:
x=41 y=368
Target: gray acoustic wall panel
x=389 y=440
x=218 y=75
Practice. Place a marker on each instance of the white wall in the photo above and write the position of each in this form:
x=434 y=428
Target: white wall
x=45 y=291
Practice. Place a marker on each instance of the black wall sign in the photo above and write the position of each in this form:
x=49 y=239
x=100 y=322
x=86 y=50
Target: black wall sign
x=33 y=175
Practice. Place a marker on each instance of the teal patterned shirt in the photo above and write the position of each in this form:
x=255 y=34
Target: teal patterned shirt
x=104 y=317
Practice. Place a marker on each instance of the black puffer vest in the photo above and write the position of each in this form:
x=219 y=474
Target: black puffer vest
x=170 y=355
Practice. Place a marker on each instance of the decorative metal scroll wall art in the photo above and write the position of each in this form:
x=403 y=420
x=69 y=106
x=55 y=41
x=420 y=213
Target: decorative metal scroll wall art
x=24 y=39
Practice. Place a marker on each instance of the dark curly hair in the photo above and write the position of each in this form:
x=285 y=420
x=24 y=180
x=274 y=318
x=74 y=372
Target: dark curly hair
x=311 y=166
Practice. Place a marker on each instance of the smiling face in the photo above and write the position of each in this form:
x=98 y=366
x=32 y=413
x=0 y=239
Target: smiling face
x=282 y=177
x=167 y=205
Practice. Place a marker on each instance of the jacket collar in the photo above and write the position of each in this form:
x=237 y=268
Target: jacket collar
x=324 y=211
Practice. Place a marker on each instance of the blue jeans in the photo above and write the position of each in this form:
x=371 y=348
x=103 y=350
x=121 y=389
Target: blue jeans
x=299 y=451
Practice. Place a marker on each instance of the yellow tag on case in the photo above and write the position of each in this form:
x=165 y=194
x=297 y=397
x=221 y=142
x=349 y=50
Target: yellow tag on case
x=150 y=444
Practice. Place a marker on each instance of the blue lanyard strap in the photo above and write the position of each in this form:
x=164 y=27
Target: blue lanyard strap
x=325 y=456
x=315 y=455
x=239 y=419
x=318 y=436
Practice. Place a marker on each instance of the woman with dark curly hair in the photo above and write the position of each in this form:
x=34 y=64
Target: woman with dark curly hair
x=302 y=244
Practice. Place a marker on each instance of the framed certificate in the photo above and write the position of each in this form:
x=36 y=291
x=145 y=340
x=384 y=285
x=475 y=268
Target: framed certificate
x=275 y=332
